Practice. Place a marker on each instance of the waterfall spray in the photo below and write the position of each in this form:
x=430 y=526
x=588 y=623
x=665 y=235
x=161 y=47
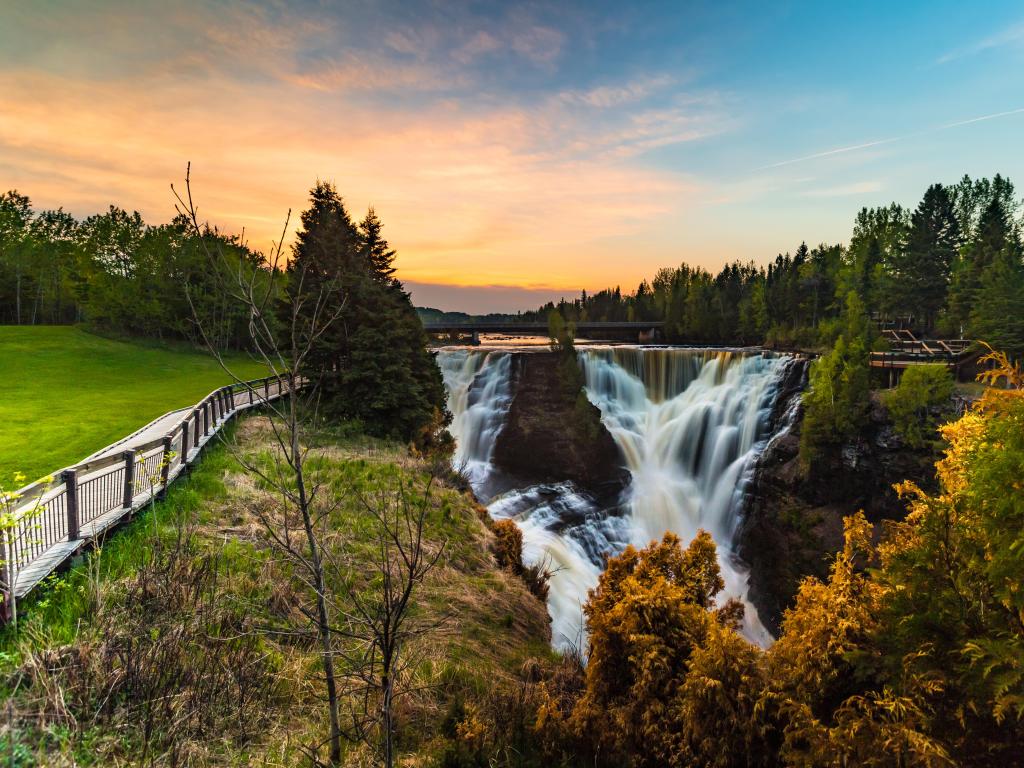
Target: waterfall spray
x=689 y=422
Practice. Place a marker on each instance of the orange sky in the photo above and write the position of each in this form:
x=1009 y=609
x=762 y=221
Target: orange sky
x=528 y=147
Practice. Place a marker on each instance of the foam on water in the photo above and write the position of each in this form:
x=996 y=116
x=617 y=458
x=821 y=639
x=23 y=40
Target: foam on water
x=689 y=422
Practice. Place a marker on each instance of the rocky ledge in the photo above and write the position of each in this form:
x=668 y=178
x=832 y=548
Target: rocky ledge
x=552 y=433
x=793 y=523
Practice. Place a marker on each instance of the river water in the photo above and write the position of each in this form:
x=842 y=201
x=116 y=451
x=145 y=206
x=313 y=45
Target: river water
x=690 y=424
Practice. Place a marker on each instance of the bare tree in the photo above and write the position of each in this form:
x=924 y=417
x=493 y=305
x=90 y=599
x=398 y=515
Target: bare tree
x=284 y=344
x=378 y=624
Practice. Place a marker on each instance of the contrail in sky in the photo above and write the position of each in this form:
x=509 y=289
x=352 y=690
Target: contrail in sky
x=984 y=117
x=829 y=152
x=856 y=147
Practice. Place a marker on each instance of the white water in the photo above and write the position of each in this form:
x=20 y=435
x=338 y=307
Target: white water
x=689 y=423
x=479 y=395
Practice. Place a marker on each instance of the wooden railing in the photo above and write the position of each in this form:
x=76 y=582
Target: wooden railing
x=56 y=517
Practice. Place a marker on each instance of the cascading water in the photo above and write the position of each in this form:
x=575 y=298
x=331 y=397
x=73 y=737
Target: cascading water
x=689 y=423
x=479 y=395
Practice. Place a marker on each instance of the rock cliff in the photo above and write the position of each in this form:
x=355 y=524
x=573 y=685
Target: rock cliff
x=793 y=523
x=553 y=433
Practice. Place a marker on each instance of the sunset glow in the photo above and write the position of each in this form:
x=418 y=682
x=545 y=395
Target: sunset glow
x=537 y=151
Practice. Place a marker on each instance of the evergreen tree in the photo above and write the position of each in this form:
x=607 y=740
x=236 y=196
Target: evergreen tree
x=837 y=401
x=374 y=365
x=997 y=317
x=922 y=270
x=377 y=253
x=993 y=235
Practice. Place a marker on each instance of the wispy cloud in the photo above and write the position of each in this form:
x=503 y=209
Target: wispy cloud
x=364 y=72
x=844 y=190
x=479 y=44
x=1011 y=36
x=540 y=45
x=894 y=139
x=606 y=96
x=984 y=118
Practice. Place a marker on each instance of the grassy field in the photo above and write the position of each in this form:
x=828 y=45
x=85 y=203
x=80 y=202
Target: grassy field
x=488 y=629
x=67 y=393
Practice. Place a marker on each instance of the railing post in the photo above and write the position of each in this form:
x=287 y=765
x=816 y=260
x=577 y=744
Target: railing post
x=266 y=390
x=165 y=469
x=184 y=441
x=129 y=478
x=7 y=611
x=70 y=478
x=195 y=427
x=214 y=409
x=206 y=418
x=249 y=387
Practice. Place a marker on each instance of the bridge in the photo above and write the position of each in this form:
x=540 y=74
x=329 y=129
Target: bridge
x=633 y=331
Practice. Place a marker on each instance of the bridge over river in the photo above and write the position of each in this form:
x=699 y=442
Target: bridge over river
x=617 y=331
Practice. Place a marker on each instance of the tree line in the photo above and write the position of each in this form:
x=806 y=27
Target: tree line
x=115 y=273
x=925 y=269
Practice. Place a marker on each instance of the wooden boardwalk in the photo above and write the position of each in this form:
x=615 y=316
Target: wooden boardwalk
x=907 y=351
x=56 y=519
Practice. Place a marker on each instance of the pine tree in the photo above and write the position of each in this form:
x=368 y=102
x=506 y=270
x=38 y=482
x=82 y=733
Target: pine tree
x=994 y=234
x=374 y=364
x=997 y=317
x=922 y=270
x=377 y=252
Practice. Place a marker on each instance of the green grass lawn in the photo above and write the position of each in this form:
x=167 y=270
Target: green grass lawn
x=67 y=393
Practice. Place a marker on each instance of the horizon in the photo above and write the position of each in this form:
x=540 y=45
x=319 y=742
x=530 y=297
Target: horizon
x=516 y=154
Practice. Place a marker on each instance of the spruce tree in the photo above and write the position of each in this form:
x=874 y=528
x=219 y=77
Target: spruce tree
x=998 y=314
x=994 y=234
x=923 y=268
x=374 y=366
x=377 y=253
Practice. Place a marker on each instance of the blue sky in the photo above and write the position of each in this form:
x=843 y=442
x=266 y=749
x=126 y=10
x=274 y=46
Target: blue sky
x=515 y=152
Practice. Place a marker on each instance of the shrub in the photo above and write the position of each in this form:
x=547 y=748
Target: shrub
x=508 y=549
x=836 y=403
x=916 y=404
x=508 y=545
x=171 y=654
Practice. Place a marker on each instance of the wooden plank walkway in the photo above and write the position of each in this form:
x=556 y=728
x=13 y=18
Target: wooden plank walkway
x=907 y=351
x=58 y=518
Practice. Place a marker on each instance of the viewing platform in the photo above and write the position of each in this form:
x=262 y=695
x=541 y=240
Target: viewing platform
x=907 y=351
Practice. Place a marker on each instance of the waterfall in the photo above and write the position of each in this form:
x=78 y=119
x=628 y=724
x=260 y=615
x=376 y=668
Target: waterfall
x=689 y=422
x=479 y=395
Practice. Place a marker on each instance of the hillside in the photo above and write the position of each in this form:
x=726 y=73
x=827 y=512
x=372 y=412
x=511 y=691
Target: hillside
x=185 y=637
x=68 y=393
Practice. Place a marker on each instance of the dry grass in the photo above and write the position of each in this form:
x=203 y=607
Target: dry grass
x=494 y=624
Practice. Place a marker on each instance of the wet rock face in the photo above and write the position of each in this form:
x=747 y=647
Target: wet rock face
x=793 y=523
x=552 y=435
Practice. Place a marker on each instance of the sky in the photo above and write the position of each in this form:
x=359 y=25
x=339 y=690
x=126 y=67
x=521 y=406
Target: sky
x=515 y=152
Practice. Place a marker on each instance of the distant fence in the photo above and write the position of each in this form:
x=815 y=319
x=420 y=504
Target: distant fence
x=58 y=516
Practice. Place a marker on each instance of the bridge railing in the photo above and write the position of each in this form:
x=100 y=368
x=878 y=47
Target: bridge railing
x=52 y=519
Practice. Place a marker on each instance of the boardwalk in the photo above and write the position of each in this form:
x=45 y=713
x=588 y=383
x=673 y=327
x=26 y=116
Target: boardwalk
x=56 y=519
x=906 y=351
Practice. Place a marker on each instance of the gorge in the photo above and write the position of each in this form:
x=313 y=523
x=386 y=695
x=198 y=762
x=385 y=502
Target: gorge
x=687 y=423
